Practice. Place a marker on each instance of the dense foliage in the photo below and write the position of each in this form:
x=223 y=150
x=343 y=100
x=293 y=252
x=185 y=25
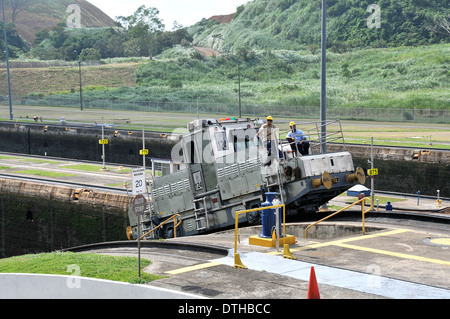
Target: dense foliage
x=101 y=43
x=16 y=44
x=296 y=24
x=413 y=77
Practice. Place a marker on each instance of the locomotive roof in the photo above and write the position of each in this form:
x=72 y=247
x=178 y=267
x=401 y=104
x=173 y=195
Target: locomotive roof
x=224 y=122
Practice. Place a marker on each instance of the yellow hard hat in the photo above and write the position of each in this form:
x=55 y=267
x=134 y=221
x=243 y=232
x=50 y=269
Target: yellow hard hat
x=292 y=123
x=269 y=118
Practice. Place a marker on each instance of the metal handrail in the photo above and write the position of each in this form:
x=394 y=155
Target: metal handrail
x=167 y=220
x=343 y=209
x=314 y=135
x=237 y=259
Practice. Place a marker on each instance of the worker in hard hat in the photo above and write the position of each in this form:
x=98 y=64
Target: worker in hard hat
x=267 y=130
x=297 y=140
x=267 y=133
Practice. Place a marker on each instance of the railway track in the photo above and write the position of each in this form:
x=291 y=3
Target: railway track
x=65 y=184
x=422 y=214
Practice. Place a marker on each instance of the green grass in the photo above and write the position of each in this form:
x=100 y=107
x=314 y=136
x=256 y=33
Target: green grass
x=41 y=161
x=43 y=173
x=381 y=199
x=5 y=167
x=114 y=268
x=86 y=167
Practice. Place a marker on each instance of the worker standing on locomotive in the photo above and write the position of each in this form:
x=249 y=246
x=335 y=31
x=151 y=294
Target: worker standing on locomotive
x=297 y=140
x=267 y=132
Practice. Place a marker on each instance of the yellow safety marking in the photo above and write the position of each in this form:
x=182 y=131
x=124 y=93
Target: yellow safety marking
x=191 y=268
x=346 y=240
x=441 y=241
x=341 y=241
x=394 y=254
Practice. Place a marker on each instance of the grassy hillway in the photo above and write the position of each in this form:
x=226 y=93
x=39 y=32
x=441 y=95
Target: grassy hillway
x=66 y=79
x=405 y=77
x=271 y=47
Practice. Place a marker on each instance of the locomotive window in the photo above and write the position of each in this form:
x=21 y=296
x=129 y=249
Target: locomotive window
x=241 y=144
x=221 y=141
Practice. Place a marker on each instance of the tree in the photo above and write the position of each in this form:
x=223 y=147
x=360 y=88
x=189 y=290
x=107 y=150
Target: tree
x=144 y=24
x=440 y=25
x=17 y=6
x=90 y=54
x=16 y=45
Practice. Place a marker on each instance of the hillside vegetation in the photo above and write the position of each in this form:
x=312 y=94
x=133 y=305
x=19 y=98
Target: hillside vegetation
x=296 y=24
x=271 y=46
x=406 y=77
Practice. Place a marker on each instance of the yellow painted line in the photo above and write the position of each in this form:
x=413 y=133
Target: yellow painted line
x=441 y=241
x=335 y=242
x=384 y=234
x=191 y=268
x=341 y=241
x=394 y=254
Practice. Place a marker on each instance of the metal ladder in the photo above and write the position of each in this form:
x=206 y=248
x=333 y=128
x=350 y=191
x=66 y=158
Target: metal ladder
x=198 y=211
x=280 y=184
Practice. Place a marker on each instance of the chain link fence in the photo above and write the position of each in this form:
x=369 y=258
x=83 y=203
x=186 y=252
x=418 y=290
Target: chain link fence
x=247 y=110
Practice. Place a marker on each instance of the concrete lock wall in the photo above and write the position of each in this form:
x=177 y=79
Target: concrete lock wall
x=36 y=218
x=83 y=142
x=36 y=286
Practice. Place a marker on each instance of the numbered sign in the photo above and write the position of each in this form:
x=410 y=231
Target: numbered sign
x=138 y=179
x=373 y=172
x=143 y=152
x=103 y=141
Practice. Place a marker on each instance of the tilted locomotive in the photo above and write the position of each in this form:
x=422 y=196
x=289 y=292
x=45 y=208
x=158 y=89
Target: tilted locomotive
x=228 y=170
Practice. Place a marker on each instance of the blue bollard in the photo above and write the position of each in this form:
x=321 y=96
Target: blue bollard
x=268 y=216
x=388 y=207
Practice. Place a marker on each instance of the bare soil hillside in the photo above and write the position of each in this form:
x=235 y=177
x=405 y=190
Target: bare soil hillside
x=45 y=14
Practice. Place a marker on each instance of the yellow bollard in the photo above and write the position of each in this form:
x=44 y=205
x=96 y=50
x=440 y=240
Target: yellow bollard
x=238 y=263
x=287 y=253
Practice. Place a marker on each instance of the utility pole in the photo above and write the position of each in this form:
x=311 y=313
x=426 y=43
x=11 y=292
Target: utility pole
x=103 y=146
x=239 y=76
x=323 y=90
x=372 y=178
x=143 y=148
x=81 y=86
x=7 y=62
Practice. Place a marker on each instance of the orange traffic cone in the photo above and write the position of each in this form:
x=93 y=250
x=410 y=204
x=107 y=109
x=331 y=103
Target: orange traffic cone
x=313 y=288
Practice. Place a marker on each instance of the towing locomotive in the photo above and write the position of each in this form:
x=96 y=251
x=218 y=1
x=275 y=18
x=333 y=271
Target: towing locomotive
x=228 y=168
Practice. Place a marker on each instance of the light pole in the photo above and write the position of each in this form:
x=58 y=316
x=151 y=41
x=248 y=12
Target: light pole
x=7 y=62
x=239 y=76
x=81 y=86
x=323 y=89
